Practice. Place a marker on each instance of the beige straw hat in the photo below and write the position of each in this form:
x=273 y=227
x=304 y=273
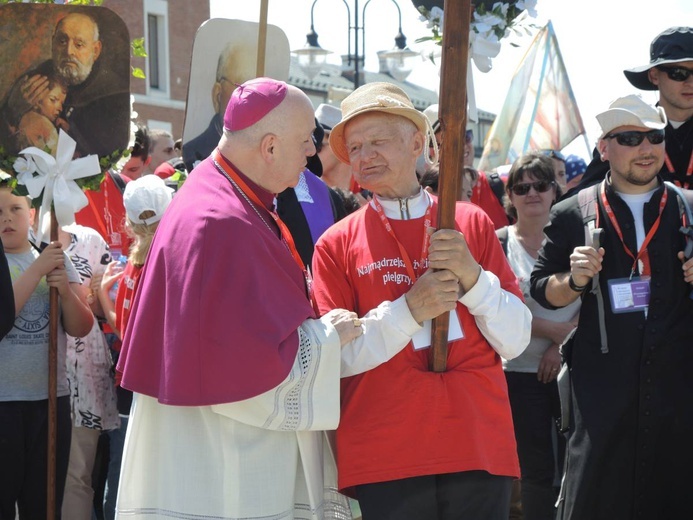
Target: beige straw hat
x=375 y=97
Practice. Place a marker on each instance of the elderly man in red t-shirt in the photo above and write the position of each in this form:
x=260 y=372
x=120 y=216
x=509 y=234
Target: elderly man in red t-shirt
x=413 y=444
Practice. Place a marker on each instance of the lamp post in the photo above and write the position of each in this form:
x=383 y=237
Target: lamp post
x=311 y=57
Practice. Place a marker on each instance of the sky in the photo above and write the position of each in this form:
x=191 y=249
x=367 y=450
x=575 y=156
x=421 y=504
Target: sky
x=598 y=40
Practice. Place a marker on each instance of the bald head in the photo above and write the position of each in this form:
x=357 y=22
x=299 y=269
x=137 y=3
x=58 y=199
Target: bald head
x=236 y=65
x=273 y=151
x=76 y=46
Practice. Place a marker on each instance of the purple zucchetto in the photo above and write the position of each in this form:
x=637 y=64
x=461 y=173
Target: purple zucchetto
x=252 y=101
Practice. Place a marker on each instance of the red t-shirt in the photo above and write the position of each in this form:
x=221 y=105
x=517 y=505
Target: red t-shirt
x=126 y=293
x=483 y=196
x=401 y=420
x=123 y=303
x=106 y=214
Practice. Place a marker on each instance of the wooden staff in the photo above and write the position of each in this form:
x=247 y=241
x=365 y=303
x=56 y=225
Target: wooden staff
x=54 y=316
x=262 y=40
x=453 y=122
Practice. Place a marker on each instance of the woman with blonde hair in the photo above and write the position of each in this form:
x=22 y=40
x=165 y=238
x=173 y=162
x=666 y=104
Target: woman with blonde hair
x=145 y=200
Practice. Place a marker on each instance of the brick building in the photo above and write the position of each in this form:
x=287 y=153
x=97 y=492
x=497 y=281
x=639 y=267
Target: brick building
x=168 y=28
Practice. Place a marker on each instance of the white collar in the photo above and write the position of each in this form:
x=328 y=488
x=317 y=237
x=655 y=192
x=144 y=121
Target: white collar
x=406 y=208
x=301 y=189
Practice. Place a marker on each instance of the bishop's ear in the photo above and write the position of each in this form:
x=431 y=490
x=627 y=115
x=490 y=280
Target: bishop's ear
x=267 y=147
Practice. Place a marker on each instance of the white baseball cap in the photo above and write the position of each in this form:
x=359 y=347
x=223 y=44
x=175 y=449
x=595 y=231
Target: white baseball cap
x=631 y=111
x=148 y=193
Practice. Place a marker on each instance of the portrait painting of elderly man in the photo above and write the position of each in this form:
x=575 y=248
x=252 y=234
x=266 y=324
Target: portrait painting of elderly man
x=64 y=68
x=224 y=56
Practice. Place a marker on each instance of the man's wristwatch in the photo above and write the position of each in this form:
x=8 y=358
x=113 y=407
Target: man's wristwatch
x=574 y=286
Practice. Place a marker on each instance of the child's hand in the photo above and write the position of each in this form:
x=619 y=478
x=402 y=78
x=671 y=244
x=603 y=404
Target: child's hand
x=50 y=258
x=110 y=276
x=95 y=283
x=58 y=278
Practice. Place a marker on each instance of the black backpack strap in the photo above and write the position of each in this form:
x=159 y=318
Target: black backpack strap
x=118 y=180
x=497 y=186
x=502 y=235
x=685 y=200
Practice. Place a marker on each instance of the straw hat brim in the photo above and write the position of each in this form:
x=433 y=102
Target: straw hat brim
x=337 y=140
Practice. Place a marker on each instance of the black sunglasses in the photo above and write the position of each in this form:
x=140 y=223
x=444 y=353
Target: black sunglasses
x=468 y=138
x=634 y=138
x=677 y=73
x=539 y=186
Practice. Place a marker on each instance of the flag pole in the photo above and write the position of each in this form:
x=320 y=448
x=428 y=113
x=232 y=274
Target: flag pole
x=262 y=40
x=453 y=122
x=52 y=387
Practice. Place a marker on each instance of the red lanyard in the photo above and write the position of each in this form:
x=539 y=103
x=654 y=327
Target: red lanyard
x=413 y=275
x=228 y=169
x=642 y=252
x=689 y=170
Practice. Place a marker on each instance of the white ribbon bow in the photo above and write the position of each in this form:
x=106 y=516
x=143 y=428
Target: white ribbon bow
x=55 y=177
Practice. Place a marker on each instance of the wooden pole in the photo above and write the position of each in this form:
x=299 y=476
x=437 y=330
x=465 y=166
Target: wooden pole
x=52 y=387
x=452 y=114
x=262 y=39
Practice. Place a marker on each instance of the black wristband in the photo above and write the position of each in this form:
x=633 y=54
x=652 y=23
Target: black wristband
x=574 y=286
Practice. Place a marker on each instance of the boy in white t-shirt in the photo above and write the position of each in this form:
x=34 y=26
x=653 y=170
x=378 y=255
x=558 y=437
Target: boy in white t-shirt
x=24 y=363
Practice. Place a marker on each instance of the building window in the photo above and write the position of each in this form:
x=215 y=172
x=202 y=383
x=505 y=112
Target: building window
x=153 y=53
x=156 y=27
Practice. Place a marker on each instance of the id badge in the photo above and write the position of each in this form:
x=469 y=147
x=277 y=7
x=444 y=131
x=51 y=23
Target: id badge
x=422 y=339
x=629 y=294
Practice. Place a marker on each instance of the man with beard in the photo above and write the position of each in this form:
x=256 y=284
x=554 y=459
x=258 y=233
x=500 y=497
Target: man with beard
x=629 y=448
x=96 y=96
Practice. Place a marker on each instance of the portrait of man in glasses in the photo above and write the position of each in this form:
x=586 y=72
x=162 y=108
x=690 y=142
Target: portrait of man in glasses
x=670 y=71
x=64 y=68
x=218 y=66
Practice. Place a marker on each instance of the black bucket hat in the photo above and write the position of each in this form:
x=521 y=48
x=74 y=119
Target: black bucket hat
x=674 y=45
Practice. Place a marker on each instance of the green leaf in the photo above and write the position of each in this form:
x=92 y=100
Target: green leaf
x=138 y=72
x=138 y=49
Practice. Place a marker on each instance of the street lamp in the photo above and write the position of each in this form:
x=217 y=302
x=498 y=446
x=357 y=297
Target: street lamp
x=311 y=57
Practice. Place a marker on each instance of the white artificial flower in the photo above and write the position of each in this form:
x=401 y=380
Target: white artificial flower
x=24 y=165
x=437 y=17
x=487 y=22
x=529 y=6
x=484 y=49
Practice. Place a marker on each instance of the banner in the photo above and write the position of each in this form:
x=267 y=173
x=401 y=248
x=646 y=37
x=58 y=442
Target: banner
x=539 y=112
x=66 y=68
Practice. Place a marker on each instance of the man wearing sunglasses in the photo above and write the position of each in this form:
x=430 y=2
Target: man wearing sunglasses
x=671 y=72
x=629 y=448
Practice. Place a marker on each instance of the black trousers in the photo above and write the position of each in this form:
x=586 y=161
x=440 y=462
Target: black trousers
x=535 y=407
x=469 y=495
x=23 y=455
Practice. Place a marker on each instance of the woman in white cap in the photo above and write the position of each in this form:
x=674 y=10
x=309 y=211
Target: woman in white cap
x=145 y=200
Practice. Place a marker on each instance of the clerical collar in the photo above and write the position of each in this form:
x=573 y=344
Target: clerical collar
x=407 y=208
x=265 y=196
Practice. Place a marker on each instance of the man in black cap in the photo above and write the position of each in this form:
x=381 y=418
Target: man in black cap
x=671 y=72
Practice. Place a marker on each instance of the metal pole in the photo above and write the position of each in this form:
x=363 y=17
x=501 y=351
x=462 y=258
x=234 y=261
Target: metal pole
x=357 y=82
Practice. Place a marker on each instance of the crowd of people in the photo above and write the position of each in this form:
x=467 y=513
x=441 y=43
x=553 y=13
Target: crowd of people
x=255 y=343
